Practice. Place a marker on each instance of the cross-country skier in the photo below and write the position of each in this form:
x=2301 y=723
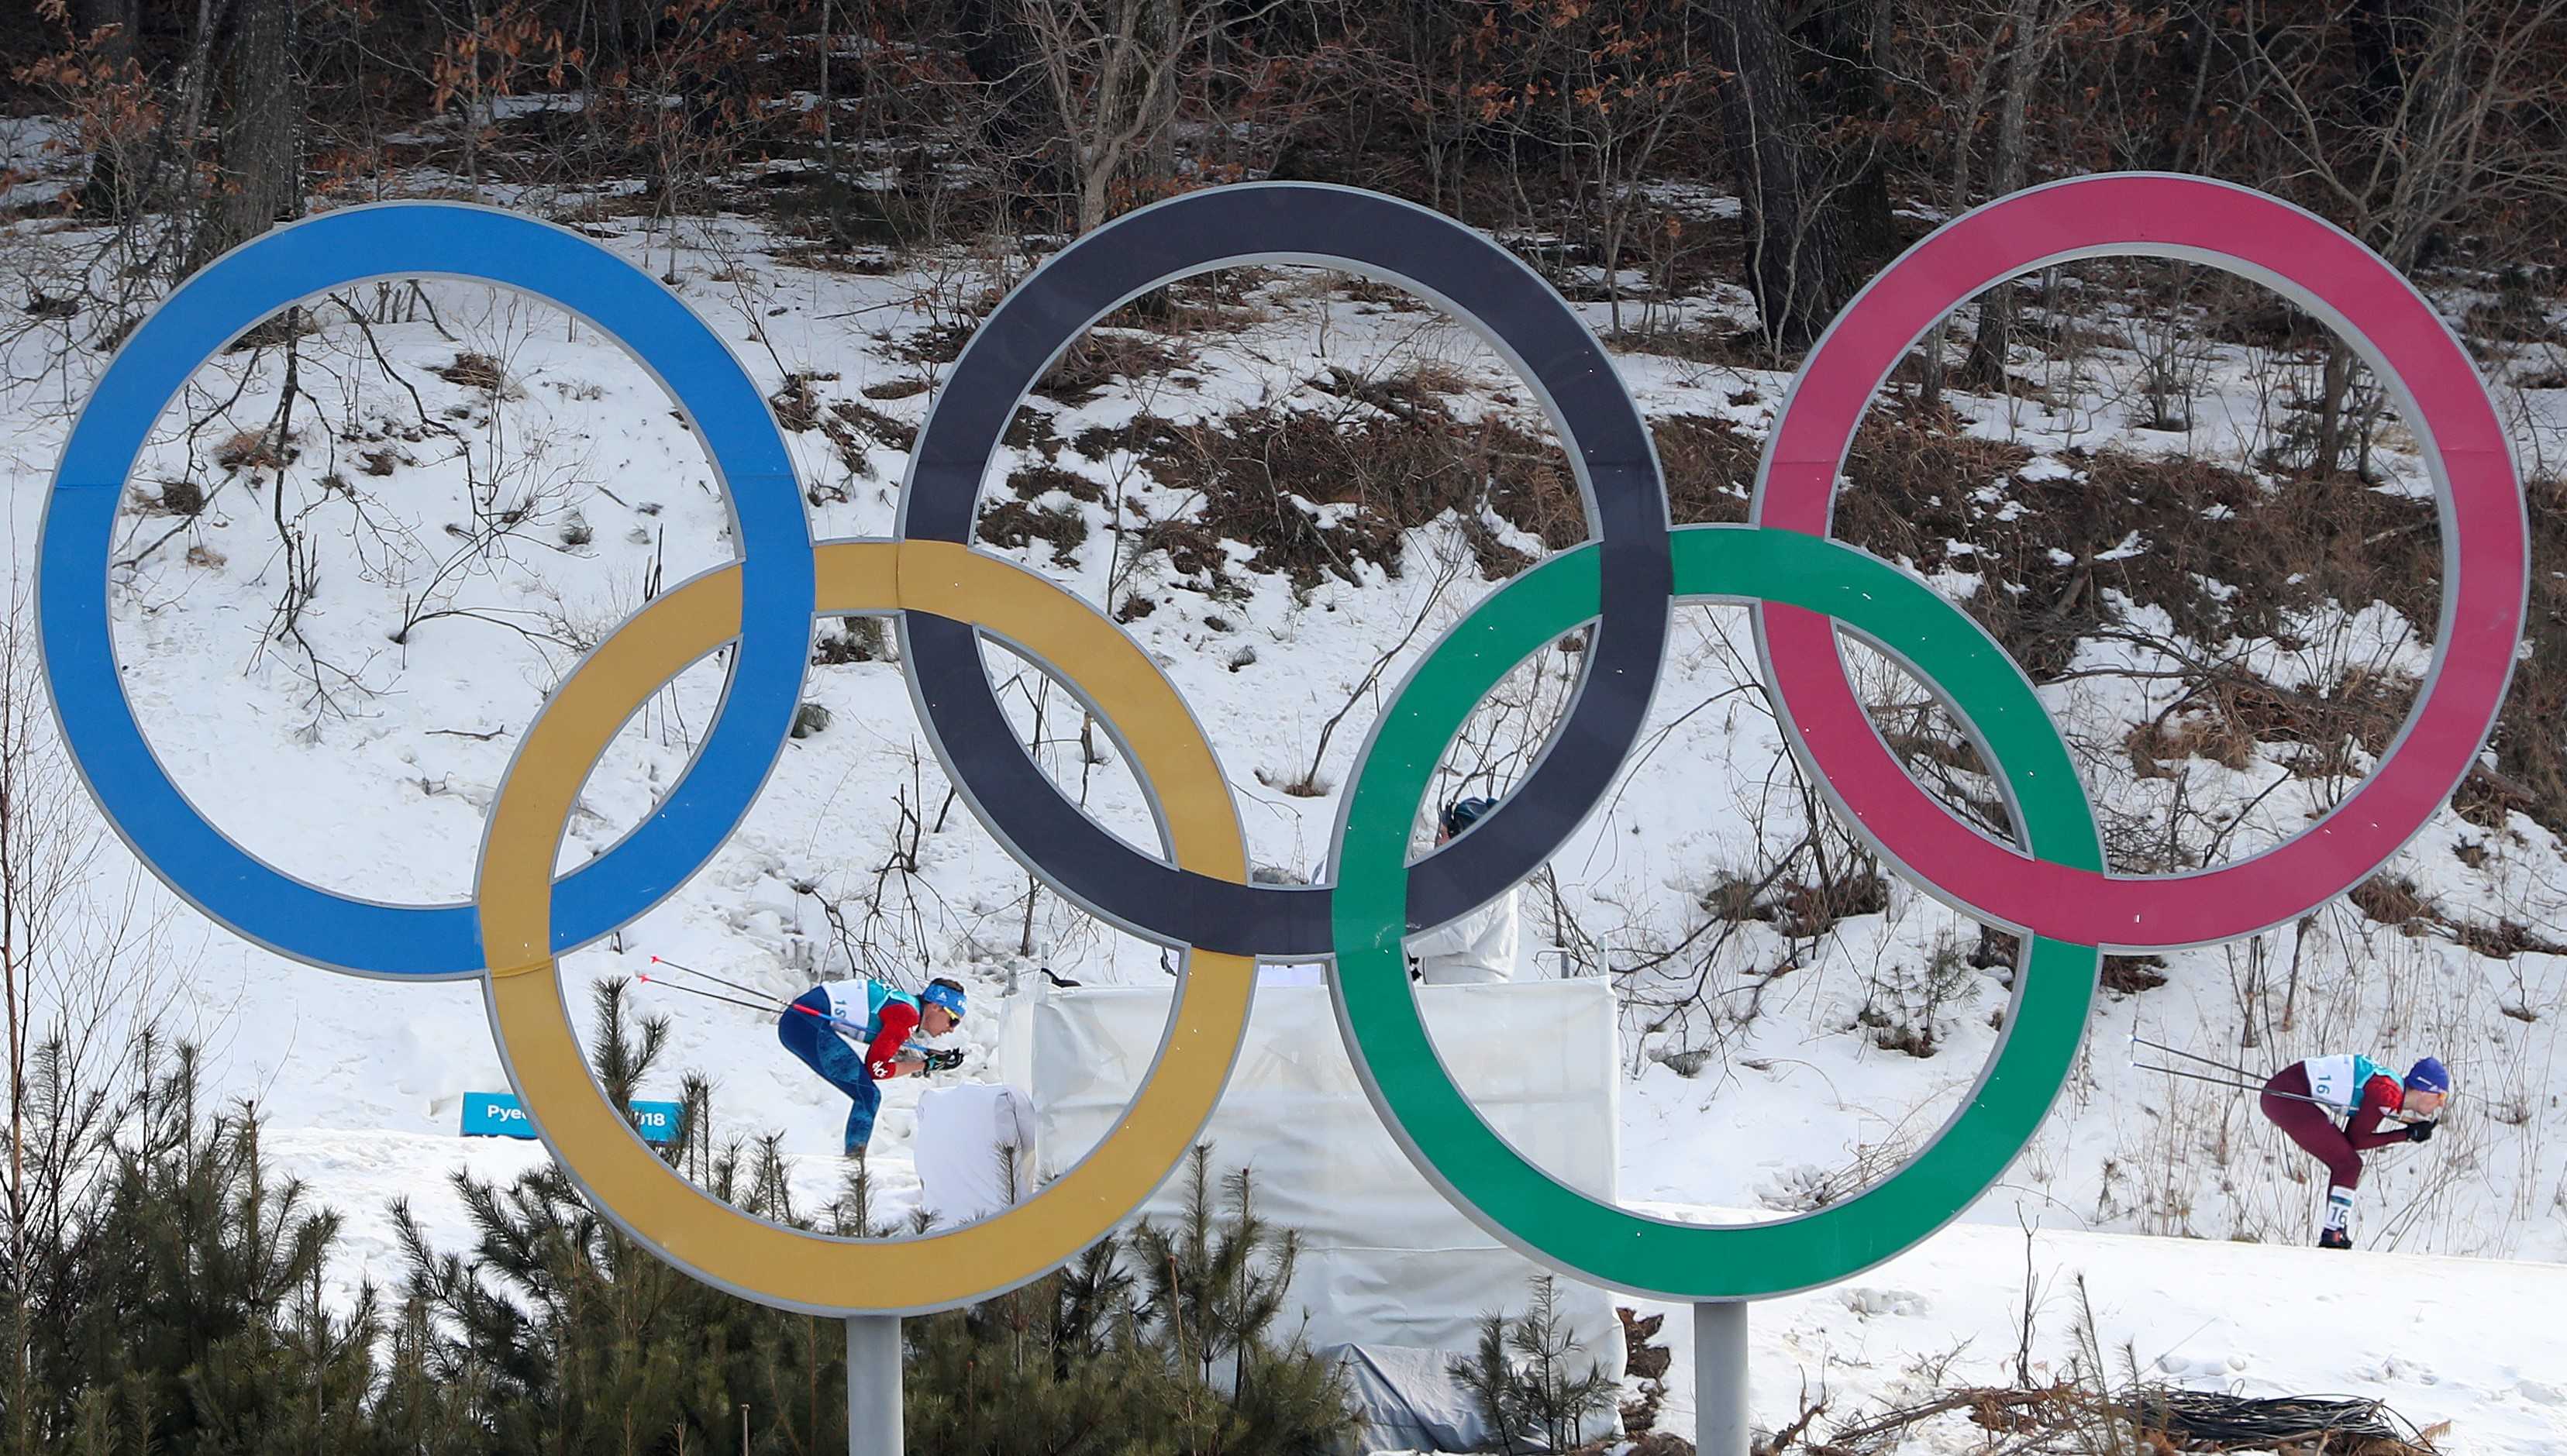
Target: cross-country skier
x=2303 y=1100
x=883 y=1018
x=1481 y=946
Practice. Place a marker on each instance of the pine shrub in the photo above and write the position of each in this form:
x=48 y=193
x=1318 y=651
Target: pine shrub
x=166 y=1292
x=1522 y=1377
x=1159 y=1341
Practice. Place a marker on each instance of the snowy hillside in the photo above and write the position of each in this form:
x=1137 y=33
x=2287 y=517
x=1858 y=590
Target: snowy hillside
x=476 y=490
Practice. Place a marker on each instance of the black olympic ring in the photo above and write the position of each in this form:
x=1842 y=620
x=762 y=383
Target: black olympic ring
x=1488 y=289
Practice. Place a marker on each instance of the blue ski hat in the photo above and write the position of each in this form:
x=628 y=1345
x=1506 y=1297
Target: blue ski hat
x=939 y=993
x=2428 y=1076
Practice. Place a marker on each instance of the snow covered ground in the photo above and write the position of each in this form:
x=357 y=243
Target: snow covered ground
x=2465 y=1341
x=471 y=544
x=2439 y=1338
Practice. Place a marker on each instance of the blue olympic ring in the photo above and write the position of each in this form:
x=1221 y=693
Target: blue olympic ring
x=232 y=296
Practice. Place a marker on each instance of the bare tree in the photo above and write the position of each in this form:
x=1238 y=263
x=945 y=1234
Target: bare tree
x=2030 y=28
x=1792 y=234
x=2447 y=114
x=79 y=927
x=1115 y=70
x=1628 y=89
x=105 y=30
x=258 y=179
x=2000 y=48
x=1015 y=123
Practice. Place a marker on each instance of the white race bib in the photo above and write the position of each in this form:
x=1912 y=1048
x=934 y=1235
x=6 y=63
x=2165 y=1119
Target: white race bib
x=2336 y=1081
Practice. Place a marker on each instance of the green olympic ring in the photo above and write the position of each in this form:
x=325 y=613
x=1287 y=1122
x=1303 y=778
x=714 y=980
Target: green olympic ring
x=1516 y=1201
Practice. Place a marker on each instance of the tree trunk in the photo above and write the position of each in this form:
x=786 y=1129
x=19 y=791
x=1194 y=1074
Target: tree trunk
x=2386 y=37
x=1841 y=40
x=1987 y=361
x=1159 y=164
x=2326 y=455
x=1792 y=244
x=91 y=17
x=258 y=177
x=2201 y=42
x=105 y=29
x=1929 y=390
x=1018 y=128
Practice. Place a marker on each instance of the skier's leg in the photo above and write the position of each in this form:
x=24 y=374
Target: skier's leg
x=2313 y=1130
x=820 y=1050
x=2308 y=1125
x=846 y=1071
x=802 y=1035
x=860 y=1117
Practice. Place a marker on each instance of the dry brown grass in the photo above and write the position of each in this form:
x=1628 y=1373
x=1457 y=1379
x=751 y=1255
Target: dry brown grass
x=248 y=449
x=1710 y=467
x=875 y=424
x=2211 y=735
x=1013 y=523
x=1400 y=466
x=2391 y=900
x=796 y=408
x=2131 y=975
x=475 y=371
x=1805 y=910
x=1034 y=481
x=178 y=496
x=1103 y=355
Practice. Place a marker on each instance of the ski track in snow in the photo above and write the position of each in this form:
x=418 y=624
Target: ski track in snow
x=383 y=796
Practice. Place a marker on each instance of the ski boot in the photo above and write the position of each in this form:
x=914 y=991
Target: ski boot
x=2335 y=1238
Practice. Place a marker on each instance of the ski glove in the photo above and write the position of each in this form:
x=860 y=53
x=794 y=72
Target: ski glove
x=945 y=1061
x=2417 y=1132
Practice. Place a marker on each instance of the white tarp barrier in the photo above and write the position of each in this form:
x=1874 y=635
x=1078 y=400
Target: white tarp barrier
x=964 y=1133
x=1385 y=1261
x=1410 y=1401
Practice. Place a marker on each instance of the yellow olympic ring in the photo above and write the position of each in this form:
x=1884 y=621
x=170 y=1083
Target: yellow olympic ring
x=652 y=1201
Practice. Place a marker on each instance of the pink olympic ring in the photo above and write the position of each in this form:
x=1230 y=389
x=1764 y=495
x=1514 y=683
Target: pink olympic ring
x=2485 y=554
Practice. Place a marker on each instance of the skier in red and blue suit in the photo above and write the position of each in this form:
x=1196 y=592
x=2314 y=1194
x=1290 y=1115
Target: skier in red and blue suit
x=881 y=1016
x=2305 y=1099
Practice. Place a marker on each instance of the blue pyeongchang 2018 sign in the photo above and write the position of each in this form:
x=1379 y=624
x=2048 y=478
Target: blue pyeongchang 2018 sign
x=496 y=1114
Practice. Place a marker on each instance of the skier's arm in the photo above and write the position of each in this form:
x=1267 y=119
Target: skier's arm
x=2371 y=1126
x=883 y=1058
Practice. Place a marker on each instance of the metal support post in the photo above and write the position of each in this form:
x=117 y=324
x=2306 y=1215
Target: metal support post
x=873 y=1386
x=1720 y=1378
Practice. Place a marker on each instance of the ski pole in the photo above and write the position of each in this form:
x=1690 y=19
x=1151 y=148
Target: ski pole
x=717 y=995
x=2139 y=1041
x=2240 y=1087
x=706 y=975
x=769 y=1006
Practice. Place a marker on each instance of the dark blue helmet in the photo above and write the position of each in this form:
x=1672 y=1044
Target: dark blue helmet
x=1461 y=814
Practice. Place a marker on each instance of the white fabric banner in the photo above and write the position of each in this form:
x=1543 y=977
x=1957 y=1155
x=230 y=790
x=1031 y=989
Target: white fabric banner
x=1385 y=1260
x=963 y=1136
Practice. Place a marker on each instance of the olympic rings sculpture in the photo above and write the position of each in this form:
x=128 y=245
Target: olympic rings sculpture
x=2052 y=883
